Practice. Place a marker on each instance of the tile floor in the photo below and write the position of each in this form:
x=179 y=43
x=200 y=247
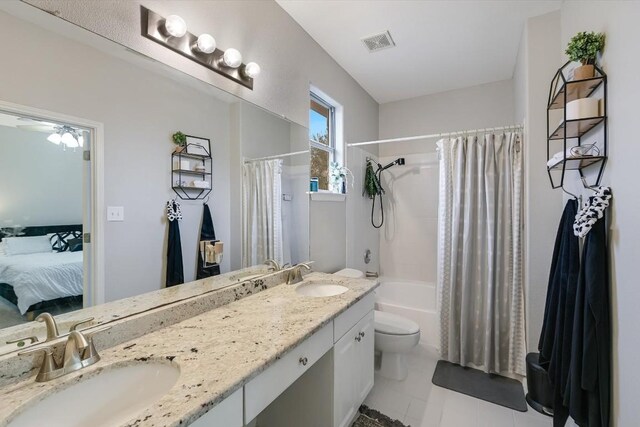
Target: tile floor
x=418 y=403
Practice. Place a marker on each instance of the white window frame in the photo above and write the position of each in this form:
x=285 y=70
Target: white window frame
x=331 y=148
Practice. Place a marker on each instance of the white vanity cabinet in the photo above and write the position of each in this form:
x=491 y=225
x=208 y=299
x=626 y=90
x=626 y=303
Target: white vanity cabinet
x=227 y=413
x=266 y=387
x=353 y=356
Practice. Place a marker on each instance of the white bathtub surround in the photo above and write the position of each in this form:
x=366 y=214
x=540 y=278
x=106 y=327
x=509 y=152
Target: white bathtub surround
x=480 y=286
x=217 y=352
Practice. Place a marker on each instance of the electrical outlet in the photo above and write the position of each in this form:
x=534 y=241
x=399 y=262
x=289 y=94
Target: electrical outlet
x=115 y=213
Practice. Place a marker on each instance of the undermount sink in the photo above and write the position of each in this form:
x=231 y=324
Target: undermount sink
x=320 y=289
x=110 y=398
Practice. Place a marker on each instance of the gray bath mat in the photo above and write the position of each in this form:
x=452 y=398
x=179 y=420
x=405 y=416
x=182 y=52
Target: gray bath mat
x=371 y=418
x=472 y=382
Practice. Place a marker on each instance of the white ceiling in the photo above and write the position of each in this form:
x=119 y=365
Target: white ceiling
x=441 y=45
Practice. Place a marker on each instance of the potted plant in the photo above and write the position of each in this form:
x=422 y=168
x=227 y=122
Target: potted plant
x=180 y=139
x=584 y=47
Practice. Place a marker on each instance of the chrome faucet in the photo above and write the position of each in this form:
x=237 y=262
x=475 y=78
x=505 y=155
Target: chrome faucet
x=295 y=273
x=79 y=352
x=273 y=263
x=51 y=325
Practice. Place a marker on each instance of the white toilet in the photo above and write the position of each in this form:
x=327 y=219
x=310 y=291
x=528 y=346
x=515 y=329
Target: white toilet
x=395 y=336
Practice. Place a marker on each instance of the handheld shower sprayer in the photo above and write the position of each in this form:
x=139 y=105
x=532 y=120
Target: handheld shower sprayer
x=400 y=162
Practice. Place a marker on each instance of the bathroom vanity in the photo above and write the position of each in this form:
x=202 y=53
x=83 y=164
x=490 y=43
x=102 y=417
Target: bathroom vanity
x=297 y=354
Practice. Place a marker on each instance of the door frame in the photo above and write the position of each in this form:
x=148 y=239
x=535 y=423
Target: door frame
x=93 y=289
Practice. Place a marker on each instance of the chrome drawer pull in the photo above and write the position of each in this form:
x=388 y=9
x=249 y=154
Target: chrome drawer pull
x=303 y=361
x=358 y=338
x=362 y=334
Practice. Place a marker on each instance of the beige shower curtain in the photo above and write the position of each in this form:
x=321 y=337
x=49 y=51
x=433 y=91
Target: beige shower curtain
x=480 y=278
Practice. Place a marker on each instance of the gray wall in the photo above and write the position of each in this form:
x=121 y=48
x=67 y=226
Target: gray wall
x=40 y=184
x=261 y=30
x=140 y=111
x=618 y=19
x=470 y=108
x=537 y=64
x=290 y=59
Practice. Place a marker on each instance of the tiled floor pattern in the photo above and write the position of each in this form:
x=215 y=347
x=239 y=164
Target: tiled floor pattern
x=418 y=403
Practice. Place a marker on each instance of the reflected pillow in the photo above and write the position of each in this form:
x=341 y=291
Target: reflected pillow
x=26 y=245
x=60 y=241
x=75 y=245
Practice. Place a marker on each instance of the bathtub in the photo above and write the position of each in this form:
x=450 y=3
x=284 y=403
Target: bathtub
x=414 y=300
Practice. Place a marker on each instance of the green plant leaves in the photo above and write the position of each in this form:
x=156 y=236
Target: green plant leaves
x=584 y=47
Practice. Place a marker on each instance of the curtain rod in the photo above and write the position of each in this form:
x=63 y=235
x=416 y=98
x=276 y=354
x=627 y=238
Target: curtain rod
x=278 y=156
x=435 y=135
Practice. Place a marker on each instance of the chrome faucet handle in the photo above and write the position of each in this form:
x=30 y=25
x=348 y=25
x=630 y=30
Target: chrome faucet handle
x=50 y=323
x=273 y=263
x=21 y=341
x=81 y=322
x=49 y=369
x=295 y=273
x=90 y=354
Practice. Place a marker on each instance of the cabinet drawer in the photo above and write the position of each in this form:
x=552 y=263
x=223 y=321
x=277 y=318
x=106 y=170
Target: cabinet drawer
x=266 y=387
x=349 y=318
x=227 y=413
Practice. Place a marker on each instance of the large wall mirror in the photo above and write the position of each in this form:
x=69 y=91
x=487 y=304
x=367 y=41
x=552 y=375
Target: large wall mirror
x=86 y=131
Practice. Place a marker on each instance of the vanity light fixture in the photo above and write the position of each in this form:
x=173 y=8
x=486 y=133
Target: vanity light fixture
x=205 y=43
x=171 y=32
x=252 y=70
x=232 y=58
x=175 y=26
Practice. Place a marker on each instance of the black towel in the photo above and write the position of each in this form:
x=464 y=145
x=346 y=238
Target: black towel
x=175 y=271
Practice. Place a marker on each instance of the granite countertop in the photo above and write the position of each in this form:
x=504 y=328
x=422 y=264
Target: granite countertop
x=217 y=352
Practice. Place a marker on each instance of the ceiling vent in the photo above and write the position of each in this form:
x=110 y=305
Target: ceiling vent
x=378 y=42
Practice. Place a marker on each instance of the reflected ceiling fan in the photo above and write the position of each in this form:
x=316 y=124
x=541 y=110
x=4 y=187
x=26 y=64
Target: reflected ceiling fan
x=66 y=135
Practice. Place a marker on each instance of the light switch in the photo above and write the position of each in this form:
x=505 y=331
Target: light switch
x=115 y=213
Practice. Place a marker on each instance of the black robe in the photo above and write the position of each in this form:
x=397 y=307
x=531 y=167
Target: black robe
x=588 y=391
x=557 y=328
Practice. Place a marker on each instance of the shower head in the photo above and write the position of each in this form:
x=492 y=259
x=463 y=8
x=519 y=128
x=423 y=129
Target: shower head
x=398 y=161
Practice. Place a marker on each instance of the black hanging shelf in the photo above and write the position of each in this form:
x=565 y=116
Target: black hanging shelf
x=561 y=92
x=179 y=175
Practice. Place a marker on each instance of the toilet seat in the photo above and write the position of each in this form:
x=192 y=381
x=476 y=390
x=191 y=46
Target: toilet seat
x=392 y=324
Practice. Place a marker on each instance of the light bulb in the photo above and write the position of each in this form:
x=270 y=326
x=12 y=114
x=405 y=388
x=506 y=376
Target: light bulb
x=55 y=138
x=232 y=58
x=252 y=70
x=69 y=140
x=206 y=43
x=175 y=26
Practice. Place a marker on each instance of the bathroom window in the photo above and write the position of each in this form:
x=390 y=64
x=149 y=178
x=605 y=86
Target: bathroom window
x=322 y=139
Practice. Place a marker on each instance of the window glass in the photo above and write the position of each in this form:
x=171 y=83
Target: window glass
x=321 y=139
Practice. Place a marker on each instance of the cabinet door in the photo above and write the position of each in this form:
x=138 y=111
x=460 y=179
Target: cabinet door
x=366 y=330
x=345 y=374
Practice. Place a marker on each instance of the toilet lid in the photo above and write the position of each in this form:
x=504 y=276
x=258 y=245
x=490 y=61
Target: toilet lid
x=392 y=324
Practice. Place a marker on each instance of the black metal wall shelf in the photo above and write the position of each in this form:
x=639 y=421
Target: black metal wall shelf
x=179 y=186
x=561 y=92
